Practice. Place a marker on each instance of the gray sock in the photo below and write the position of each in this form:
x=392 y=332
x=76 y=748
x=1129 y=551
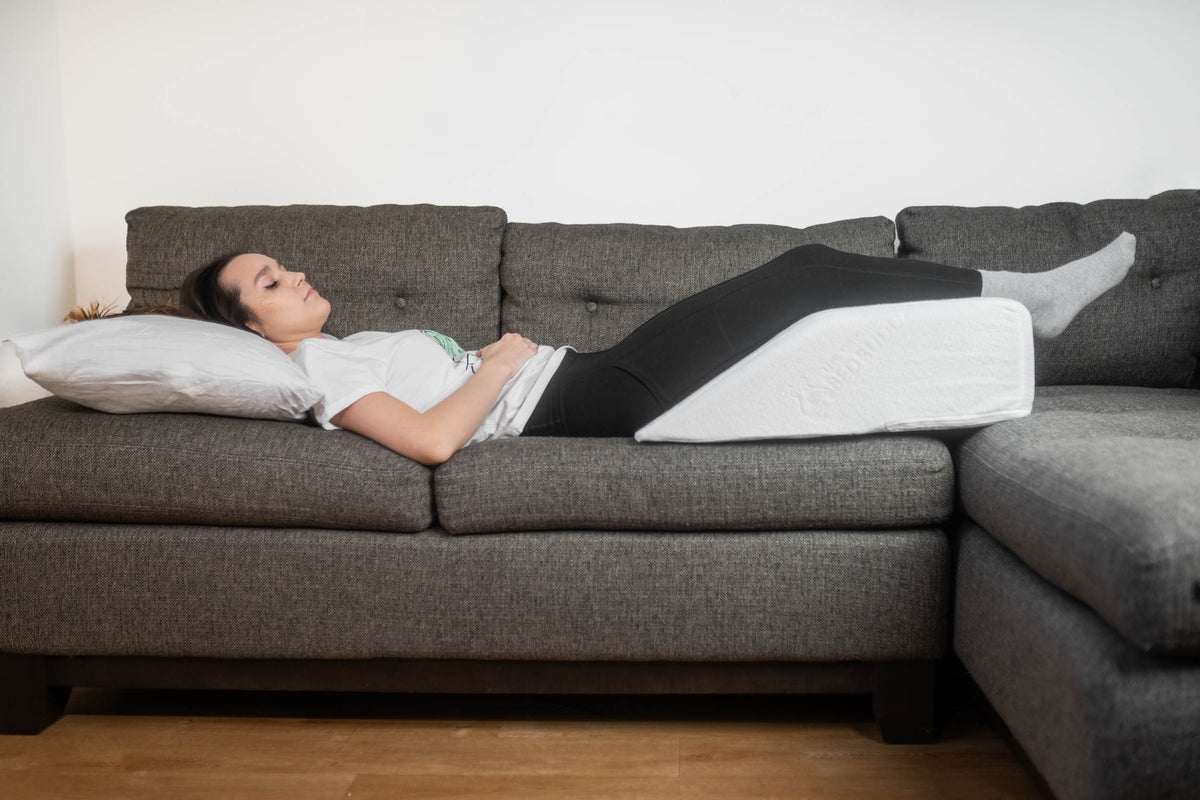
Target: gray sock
x=1054 y=297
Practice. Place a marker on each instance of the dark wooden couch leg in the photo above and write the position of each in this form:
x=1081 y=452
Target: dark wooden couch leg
x=27 y=704
x=904 y=701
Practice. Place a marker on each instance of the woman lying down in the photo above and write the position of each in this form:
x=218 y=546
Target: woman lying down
x=419 y=394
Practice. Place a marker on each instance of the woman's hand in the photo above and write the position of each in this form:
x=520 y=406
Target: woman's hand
x=511 y=351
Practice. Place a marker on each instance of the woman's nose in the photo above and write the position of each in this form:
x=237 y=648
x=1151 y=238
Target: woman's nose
x=299 y=278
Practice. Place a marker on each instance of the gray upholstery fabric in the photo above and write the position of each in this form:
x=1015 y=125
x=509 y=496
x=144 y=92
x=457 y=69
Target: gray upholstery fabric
x=540 y=483
x=63 y=461
x=382 y=267
x=249 y=592
x=1099 y=492
x=1145 y=332
x=1099 y=720
x=589 y=285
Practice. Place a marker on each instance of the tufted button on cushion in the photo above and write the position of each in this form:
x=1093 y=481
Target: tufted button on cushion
x=591 y=306
x=400 y=302
x=1156 y=282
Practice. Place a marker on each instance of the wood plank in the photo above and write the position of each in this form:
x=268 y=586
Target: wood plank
x=88 y=784
x=514 y=787
x=174 y=744
x=381 y=748
x=982 y=784
x=310 y=746
x=324 y=747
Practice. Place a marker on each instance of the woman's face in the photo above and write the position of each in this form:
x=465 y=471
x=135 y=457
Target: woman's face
x=285 y=308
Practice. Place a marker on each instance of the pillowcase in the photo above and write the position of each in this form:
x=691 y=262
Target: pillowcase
x=148 y=363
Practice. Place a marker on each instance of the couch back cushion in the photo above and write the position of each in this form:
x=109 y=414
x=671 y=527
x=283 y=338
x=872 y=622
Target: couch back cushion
x=1145 y=332
x=385 y=267
x=590 y=285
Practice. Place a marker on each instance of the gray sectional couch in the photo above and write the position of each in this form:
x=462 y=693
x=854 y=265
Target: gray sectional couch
x=1058 y=556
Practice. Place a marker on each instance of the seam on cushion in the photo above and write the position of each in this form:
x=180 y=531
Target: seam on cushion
x=55 y=513
x=209 y=455
x=822 y=466
x=195 y=516
x=206 y=533
x=1155 y=549
x=1002 y=477
x=1081 y=584
x=1155 y=556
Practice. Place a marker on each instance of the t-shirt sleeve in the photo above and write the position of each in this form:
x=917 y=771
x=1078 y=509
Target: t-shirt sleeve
x=342 y=374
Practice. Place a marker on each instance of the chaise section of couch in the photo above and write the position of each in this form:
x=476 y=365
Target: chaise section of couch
x=1077 y=600
x=165 y=550
x=1090 y=506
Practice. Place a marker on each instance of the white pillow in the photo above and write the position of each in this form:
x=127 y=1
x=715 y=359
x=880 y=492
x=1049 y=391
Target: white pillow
x=924 y=365
x=152 y=362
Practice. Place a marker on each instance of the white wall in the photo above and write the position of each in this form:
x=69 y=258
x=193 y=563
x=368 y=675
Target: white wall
x=681 y=112
x=36 y=284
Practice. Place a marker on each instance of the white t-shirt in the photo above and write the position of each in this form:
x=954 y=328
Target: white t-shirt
x=413 y=368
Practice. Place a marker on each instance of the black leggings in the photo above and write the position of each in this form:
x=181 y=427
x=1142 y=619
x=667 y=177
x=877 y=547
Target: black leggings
x=614 y=392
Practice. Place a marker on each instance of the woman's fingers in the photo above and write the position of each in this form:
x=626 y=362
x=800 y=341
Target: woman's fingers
x=508 y=340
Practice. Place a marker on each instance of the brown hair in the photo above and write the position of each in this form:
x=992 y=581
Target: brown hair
x=203 y=295
x=94 y=310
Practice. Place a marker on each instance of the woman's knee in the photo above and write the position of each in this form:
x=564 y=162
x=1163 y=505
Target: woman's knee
x=814 y=251
x=807 y=255
x=819 y=256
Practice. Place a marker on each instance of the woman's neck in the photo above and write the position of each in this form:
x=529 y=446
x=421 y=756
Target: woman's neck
x=290 y=345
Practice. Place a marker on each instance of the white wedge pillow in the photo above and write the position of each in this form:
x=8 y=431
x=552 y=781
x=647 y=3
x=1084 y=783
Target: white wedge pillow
x=905 y=366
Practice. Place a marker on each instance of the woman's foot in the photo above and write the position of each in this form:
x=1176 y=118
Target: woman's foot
x=1054 y=297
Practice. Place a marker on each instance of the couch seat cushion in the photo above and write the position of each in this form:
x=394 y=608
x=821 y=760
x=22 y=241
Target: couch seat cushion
x=1145 y=332
x=543 y=483
x=1099 y=492
x=62 y=461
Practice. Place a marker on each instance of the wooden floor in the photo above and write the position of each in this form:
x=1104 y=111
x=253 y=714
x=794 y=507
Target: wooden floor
x=229 y=745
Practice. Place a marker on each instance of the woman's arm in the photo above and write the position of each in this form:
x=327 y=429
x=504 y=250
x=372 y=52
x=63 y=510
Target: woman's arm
x=433 y=436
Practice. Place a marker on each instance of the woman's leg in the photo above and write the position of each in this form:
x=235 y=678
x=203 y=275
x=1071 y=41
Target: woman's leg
x=616 y=391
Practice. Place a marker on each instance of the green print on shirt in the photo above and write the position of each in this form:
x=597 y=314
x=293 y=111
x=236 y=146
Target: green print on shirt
x=449 y=345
